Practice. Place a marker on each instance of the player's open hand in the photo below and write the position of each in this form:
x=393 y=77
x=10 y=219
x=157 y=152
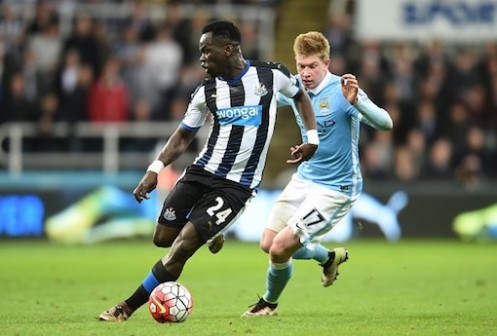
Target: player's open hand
x=350 y=87
x=302 y=152
x=146 y=185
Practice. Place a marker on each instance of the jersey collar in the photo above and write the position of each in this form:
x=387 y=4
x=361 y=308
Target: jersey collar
x=234 y=80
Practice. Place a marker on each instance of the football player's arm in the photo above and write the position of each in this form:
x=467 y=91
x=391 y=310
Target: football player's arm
x=177 y=144
x=305 y=151
x=174 y=147
x=291 y=88
x=373 y=115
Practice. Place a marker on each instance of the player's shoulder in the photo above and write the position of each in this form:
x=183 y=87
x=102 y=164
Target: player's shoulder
x=333 y=87
x=274 y=65
x=334 y=81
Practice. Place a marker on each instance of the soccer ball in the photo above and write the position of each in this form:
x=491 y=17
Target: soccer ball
x=170 y=302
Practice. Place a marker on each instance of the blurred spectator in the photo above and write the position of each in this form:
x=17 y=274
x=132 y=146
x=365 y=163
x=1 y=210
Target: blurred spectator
x=337 y=34
x=403 y=75
x=73 y=102
x=416 y=146
x=46 y=115
x=249 y=40
x=11 y=29
x=16 y=107
x=377 y=156
x=108 y=98
x=141 y=112
x=44 y=17
x=139 y=19
x=372 y=72
x=427 y=120
x=162 y=63
x=456 y=127
x=475 y=150
x=29 y=73
x=84 y=42
x=439 y=163
x=476 y=99
x=46 y=47
x=464 y=72
x=182 y=30
x=433 y=55
x=469 y=172
x=68 y=74
x=130 y=52
x=405 y=165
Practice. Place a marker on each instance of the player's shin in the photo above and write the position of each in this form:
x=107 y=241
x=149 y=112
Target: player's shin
x=278 y=275
x=155 y=277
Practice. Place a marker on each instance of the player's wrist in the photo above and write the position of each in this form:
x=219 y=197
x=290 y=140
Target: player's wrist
x=312 y=137
x=156 y=166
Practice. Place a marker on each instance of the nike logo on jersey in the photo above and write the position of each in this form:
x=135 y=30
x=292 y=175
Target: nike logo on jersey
x=240 y=115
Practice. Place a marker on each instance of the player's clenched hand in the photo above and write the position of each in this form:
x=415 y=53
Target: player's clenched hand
x=350 y=87
x=302 y=152
x=146 y=185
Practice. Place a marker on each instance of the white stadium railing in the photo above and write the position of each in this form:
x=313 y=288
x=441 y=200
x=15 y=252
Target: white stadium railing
x=111 y=159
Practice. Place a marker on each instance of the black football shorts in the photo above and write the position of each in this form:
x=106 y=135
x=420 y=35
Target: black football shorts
x=211 y=203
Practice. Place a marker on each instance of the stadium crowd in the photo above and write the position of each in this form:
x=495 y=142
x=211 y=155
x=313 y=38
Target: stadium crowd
x=443 y=99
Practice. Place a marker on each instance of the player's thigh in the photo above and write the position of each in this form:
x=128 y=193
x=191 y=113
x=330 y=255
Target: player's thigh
x=287 y=203
x=173 y=216
x=322 y=209
x=218 y=209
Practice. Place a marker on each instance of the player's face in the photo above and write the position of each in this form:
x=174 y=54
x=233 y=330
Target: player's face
x=312 y=70
x=213 y=56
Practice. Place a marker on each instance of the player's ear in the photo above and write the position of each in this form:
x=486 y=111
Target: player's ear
x=229 y=50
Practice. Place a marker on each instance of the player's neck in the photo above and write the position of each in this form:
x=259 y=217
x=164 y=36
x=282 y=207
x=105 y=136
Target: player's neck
x=235 y=69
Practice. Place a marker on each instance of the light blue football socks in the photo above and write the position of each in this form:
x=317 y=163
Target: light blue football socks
x=317 y=252
x=277 y=278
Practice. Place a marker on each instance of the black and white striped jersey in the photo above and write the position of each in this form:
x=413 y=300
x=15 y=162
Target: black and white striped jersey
x=244 y=115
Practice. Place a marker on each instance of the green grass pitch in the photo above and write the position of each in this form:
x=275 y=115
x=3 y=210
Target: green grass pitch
x=414 y=287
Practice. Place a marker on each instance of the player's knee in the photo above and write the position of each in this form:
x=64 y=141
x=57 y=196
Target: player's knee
x=162 y=241
x=164 y=236
x=277 y=252
x=267 y=240
x=265 y=245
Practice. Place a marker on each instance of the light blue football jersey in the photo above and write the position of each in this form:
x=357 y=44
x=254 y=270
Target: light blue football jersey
x=336 y=162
